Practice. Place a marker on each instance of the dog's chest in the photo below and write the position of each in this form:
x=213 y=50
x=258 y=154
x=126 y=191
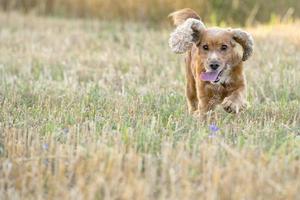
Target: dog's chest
x=216 y=92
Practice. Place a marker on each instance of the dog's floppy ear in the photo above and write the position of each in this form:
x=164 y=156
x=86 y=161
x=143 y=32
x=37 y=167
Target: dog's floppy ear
x=245 y=40
x=185 y=35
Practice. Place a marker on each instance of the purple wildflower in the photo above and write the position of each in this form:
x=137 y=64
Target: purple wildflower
x=213 y=128
x=45 y=147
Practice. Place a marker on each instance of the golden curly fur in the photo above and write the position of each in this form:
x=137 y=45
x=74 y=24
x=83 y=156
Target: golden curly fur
x=213 y=52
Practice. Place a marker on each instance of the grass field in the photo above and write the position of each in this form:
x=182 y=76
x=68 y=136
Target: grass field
x=96 y=110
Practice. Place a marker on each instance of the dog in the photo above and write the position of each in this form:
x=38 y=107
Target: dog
x=214 y=66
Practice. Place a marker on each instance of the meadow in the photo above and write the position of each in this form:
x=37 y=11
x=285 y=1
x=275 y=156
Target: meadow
x=96 y=110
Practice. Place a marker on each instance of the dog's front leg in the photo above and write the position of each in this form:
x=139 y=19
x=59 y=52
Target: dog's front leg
x=204 y=100
x=191 y=97
x=236 y=101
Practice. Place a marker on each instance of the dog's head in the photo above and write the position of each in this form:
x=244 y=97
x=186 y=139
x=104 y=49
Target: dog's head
x=215 y=46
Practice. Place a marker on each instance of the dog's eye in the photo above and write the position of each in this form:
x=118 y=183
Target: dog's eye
x=205 y=47
x=224 y=47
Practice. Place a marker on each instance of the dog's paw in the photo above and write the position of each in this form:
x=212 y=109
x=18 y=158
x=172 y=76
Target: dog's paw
x=234 y=105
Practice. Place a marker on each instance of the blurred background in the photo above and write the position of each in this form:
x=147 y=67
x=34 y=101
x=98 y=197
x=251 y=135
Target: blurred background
x=238 y=12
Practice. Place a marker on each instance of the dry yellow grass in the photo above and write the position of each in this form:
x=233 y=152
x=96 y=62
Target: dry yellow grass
x=96 y=110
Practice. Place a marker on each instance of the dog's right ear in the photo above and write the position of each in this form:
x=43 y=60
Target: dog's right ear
x=186 y=34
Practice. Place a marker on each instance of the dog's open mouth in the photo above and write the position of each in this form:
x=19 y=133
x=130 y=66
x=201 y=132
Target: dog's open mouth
x=213 y=76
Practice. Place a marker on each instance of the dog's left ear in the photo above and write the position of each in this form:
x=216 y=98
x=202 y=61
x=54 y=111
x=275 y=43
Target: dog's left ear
x=186 y=35
x=245 y=40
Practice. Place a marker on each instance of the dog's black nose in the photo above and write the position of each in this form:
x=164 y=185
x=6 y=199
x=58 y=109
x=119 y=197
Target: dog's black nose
x=214 y=65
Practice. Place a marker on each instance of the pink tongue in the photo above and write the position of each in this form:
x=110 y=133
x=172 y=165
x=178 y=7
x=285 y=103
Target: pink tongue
x=209 y=76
